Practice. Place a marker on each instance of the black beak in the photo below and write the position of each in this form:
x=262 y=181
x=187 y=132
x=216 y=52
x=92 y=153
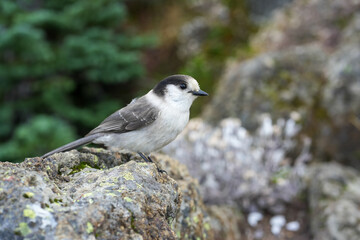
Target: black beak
x=199 y=93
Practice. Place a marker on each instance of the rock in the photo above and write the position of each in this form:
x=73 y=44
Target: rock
x=193 y=34
x=341 y=99
x=277 y=223
x=262 y=10
x=276 y=82
x=225 y=221
x=342 y=92
x=334 y=198
x=307 y=21
x=192 y=219
x=254 y=218
x=293 y=226
x=99 y=194
x=351 y=32
x=308 y=64
x=195 y=218
x=234 y=166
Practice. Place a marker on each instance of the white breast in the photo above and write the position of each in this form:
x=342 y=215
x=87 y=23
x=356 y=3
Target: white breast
x=170 y=122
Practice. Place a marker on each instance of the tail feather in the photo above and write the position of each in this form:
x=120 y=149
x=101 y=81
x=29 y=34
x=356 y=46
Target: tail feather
x=74 y=144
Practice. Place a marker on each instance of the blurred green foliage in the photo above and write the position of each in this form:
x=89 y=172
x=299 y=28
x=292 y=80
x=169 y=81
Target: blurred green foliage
x=224 y=40
x=61 y=65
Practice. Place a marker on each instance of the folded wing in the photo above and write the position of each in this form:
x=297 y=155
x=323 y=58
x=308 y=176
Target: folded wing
x=136 y=115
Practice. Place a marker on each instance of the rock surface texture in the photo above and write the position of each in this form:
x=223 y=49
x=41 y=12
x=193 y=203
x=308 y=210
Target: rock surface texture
x=308 y=64
x=334 y=198
x=98 y=194
x=255 y=172
x=234 y=166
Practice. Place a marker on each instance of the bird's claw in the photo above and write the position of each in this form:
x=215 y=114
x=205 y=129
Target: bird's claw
x=148 y=159
x=161 y=170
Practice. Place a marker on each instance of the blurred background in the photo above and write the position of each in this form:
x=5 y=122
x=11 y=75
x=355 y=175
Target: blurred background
x=279 y=136
x=66 y=65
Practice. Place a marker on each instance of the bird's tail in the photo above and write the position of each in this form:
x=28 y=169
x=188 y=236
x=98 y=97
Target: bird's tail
x=74 y=144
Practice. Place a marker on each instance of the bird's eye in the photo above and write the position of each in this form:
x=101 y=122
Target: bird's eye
x=183 y=86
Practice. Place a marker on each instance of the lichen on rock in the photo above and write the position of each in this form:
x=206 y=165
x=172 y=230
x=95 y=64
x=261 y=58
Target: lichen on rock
x=116 y=196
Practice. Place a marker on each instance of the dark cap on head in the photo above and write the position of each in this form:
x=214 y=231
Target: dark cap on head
x=177 y=80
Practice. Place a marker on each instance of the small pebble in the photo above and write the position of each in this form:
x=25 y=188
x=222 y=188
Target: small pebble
x=254 y=218
x=275 y=229
x=293 y=226
x=277 y=222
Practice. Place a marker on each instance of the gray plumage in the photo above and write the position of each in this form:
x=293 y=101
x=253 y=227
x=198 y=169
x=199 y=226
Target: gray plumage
x=136 y=115
x=139 y=113
x=148 y=123
x=74 y=144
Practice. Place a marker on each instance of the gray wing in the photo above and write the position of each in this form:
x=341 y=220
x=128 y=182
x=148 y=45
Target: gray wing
x=136 y=115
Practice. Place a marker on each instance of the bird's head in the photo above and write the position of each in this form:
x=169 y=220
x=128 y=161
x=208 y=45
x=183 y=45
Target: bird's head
x=179 y=89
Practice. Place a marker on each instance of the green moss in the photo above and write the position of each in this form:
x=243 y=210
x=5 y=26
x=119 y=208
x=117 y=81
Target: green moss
x=78 y=168
x=89 y=227
x=195 y=219
x=96 y=159
x=132 y=222
x=282 y=174
x=128 y=199
x=29 y=213
x=23 y=229
x=28 y=195
x=83 y=165
x=343 y=22
x=56 y=200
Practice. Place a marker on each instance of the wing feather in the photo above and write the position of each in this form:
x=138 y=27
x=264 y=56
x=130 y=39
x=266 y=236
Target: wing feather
x=136 y=115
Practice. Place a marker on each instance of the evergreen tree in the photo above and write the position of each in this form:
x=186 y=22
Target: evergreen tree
x=59 y=61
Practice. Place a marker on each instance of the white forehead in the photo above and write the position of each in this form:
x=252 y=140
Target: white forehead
x=192 y=83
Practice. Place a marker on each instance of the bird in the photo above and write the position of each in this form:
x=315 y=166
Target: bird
x=147 y=123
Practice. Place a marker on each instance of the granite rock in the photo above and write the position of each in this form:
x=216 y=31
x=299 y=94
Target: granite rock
x=307 y=62
x=334 y=199
x=305 y=22
x=99 y=194
x=236 y=167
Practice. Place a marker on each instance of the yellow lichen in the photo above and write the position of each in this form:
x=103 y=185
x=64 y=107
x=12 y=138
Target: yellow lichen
x=23 y=229
x=207 y=226
x=29 y=213
x=128 y=176
x=89 y=227
x=87 y=194
x=111 y=194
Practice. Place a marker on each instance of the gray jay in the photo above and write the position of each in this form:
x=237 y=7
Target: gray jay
x=148 y=123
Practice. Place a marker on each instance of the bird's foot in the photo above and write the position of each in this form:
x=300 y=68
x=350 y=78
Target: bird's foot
x=148 y=159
